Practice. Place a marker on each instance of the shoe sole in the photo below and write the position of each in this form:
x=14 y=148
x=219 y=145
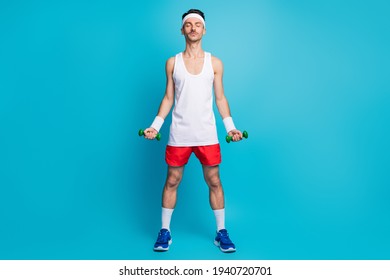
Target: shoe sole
x=161 y=249
x=230 y=250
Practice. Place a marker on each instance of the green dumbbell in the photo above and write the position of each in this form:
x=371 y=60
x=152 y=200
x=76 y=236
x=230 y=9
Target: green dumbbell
x=141 y=133
x=229 y=138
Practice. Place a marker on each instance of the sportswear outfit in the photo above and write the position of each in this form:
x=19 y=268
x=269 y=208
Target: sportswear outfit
x=193 y=130
x=193 y=127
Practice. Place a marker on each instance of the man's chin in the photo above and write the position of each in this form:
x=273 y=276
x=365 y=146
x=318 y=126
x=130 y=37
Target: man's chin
x=194 y=40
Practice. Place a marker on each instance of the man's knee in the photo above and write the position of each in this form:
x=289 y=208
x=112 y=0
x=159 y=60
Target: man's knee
x=214 y=181
x=173 y=179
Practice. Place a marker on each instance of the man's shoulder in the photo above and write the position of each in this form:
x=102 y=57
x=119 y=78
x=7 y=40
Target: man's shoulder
x=171 y=60
x=170 y=64
x=217 y=63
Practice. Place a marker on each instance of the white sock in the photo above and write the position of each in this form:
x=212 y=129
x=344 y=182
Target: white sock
x=220 y=218
x=166 y=215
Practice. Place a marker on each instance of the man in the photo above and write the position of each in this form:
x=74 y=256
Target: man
x=191 y=76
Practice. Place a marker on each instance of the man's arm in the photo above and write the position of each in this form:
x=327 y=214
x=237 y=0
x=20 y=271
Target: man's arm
x=220 y=98
x=166 y=103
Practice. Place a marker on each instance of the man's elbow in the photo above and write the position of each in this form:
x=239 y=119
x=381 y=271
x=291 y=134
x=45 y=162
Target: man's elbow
x=168 y=100
x=220 y=99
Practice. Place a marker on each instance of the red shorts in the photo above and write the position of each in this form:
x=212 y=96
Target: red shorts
x=208 y=155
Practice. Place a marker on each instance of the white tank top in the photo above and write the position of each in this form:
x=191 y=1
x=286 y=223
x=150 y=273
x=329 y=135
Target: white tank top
x=193 y=120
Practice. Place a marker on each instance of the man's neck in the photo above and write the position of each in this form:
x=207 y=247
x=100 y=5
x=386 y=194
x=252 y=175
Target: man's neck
x=194 y=50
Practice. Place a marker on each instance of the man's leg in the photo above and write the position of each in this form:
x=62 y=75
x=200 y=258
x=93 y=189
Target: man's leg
x=216 y=196
x=169 y=197
x=217 y=203
x=174 y=177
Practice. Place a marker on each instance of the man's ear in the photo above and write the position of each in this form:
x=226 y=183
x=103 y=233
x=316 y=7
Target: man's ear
x=181 y=31
x=204 y=31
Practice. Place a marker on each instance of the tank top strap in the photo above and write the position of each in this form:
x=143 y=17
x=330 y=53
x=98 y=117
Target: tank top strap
x=178 y=63
x=209 y=70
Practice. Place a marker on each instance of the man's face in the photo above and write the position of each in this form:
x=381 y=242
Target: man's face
x=193 y=29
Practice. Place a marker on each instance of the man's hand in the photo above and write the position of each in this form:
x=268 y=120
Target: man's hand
x=150 y=133
x=235 y=134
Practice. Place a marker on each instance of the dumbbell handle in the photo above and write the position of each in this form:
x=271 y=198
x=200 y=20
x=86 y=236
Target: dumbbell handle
x=229 y=138
x=142 y=133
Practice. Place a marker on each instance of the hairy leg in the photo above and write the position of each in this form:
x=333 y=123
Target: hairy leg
x=169 y=195
x=216 y=195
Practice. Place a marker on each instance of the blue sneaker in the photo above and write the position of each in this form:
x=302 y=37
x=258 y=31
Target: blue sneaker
x=223 y=241
x=164 y=239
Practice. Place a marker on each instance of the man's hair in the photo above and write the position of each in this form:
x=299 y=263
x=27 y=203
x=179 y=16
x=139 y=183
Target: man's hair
x=193 y=11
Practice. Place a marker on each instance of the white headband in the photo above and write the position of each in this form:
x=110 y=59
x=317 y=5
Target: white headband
x=193 y=15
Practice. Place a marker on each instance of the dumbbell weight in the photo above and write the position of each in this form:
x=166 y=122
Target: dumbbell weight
x=230 y=138
x=142 y=133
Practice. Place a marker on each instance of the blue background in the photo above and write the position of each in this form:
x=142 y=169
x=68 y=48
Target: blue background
x=309 y=80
